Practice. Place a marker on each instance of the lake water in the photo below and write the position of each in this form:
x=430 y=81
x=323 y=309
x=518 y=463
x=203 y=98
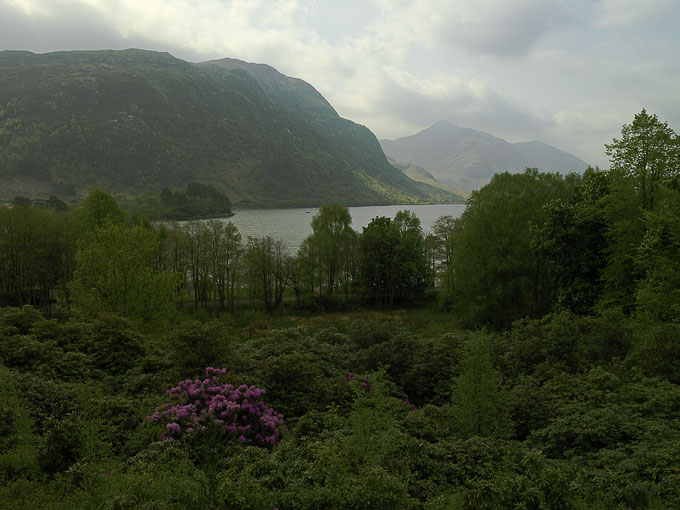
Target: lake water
x=292 y=226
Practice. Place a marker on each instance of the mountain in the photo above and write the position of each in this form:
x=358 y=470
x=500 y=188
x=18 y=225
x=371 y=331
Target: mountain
x=467 y=159
x=132 y=121
x=418 y=173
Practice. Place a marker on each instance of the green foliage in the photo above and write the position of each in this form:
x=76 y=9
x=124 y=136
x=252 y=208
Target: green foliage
x=330 y=252
x=495 y=274
x=393 y=265
x=573 y=242
x=563 y=410
x=478 y=401
x=195 y=345
x=36 y=254
x=61 y=445
x=98 y=210
x=656 y=351
x=658 y=294
x=267 y=266
x=196 y=201
x=115 y=344
x=647 y=154
x=115 y=274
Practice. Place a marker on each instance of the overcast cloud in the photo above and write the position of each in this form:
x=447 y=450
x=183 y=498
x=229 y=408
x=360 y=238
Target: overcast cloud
x=569 y=73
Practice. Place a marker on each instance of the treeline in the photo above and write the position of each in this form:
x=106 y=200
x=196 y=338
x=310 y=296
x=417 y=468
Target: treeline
x=99 y=257
x=196 y=201
x=527 y=244
x=534 y=243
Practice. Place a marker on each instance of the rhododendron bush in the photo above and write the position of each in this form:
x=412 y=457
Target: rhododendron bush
x=236 y=412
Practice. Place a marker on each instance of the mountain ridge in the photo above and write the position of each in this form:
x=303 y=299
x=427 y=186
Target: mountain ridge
x=466 y=158
x=131 y=121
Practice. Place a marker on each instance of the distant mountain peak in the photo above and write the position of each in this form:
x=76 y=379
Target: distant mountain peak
x=467 y=158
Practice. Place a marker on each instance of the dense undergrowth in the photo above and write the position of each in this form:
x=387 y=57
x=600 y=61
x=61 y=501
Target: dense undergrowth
x=382 y=410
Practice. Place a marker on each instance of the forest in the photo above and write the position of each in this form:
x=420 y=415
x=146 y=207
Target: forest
x=525 y=355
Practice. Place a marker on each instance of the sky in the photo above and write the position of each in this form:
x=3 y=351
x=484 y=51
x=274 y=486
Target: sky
x=569 y=73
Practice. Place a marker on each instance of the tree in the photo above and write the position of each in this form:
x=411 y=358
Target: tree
x=573 y=241
x=411 y=262
x=36 y=254
x=115 y=274
x=645 y=161
x=658 y=292
x=98 y=209
x=443 y=230
x=648 y=153
x=379 y=260
x=266 y=266
x=331 y=243
x=393 y=263
x=496 y=276
x=477 y=397
x=225 y=253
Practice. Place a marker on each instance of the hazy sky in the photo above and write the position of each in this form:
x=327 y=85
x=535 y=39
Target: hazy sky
x=569 y=72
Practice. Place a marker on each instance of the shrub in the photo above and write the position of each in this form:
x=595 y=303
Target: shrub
x=61 y=446
x=238 y=415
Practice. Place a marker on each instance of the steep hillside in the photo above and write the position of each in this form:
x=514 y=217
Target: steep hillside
x=467 y=159
x=355 y=143
x=130 y=121
x=418 y=173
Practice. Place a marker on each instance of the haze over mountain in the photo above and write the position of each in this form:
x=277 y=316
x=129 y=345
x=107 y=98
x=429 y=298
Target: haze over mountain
x=135 y=120
x=467 y=159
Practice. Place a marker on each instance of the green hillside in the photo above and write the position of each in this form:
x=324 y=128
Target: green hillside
x=133 y=121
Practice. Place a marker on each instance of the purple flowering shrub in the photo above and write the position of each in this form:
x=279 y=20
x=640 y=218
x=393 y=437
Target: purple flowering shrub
x=237 y=413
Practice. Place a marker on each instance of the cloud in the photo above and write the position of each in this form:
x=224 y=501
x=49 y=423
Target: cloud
x=497 y=28
x=621 y=13
x=521 y=69
x=408 y=102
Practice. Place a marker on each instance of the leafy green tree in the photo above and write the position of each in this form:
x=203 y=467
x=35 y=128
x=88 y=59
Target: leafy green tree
x=573 y=240
x=624 y=236
x=496 y=275
x=115 y=273
x=98 y=209
x=266 y=268
x=37 y=246
x=410 y=252
x=643 y=162
x=442 y=230
x=658 y=292
x=379 y=260
x=647 y=153
x=225 y=256
x=393 y=263
x=331 y=244
x=477 y=397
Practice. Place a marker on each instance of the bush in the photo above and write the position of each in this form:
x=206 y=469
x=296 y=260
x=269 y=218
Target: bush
x=194 y=345
x=116 y=345
x=61 y=446
x=236 y=415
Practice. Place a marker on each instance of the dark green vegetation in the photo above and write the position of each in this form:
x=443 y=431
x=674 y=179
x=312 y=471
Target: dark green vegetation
x=196 y=201
x=134 y=121
x=467 y=159
x=567 y=398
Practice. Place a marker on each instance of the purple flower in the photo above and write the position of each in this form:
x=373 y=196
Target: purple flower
x=238 y=413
